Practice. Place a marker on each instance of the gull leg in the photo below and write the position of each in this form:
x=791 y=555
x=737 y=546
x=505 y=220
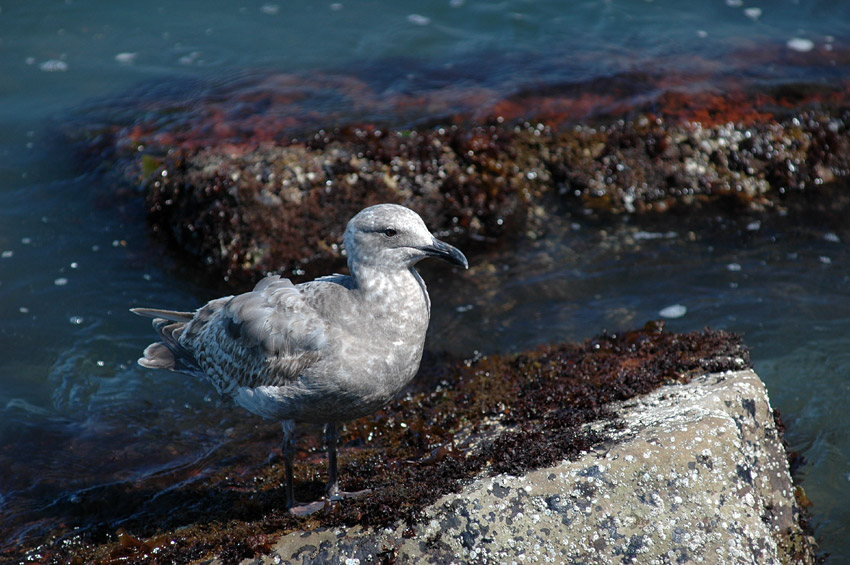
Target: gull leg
x=288 y=450
x=332 y=436
x=288 y=456
x=333 y=491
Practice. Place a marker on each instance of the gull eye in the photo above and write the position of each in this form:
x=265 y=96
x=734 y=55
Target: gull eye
x=389 y=232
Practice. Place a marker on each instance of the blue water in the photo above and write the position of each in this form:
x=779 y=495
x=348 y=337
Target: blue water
x=74 y=256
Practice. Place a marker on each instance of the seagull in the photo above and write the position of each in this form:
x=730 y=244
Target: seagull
x=326 y=351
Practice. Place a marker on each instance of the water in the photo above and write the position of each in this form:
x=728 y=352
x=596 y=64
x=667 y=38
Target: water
x=78 y=414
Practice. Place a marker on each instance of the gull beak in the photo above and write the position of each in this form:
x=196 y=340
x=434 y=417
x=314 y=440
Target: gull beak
x=446 y=252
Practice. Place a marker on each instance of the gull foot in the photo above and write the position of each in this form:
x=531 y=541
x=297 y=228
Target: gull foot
x=337 y=494
x=325 y=503
x=309 y=508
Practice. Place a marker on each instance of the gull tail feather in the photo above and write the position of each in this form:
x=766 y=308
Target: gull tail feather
x=172 y=315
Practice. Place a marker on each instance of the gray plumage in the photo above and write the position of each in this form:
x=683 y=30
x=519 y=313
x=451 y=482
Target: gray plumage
x=325 y=351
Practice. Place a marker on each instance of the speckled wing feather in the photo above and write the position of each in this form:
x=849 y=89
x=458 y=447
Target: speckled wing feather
x=266 y=337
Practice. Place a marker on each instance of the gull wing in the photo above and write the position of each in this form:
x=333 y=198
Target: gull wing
x=265 y=337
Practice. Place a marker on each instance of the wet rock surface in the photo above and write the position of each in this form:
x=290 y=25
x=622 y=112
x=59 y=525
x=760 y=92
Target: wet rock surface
x=478 y=421
x=279 y=207
x=241 y=213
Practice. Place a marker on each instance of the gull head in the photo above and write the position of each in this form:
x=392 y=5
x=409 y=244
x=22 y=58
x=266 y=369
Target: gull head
x=389 y=237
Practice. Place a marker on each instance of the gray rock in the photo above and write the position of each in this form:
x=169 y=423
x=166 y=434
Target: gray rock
x=697 y=474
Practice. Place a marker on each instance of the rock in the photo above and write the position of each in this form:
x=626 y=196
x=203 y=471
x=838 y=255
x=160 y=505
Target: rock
x=696 y=473
x=248 y=177
x=239 y=213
